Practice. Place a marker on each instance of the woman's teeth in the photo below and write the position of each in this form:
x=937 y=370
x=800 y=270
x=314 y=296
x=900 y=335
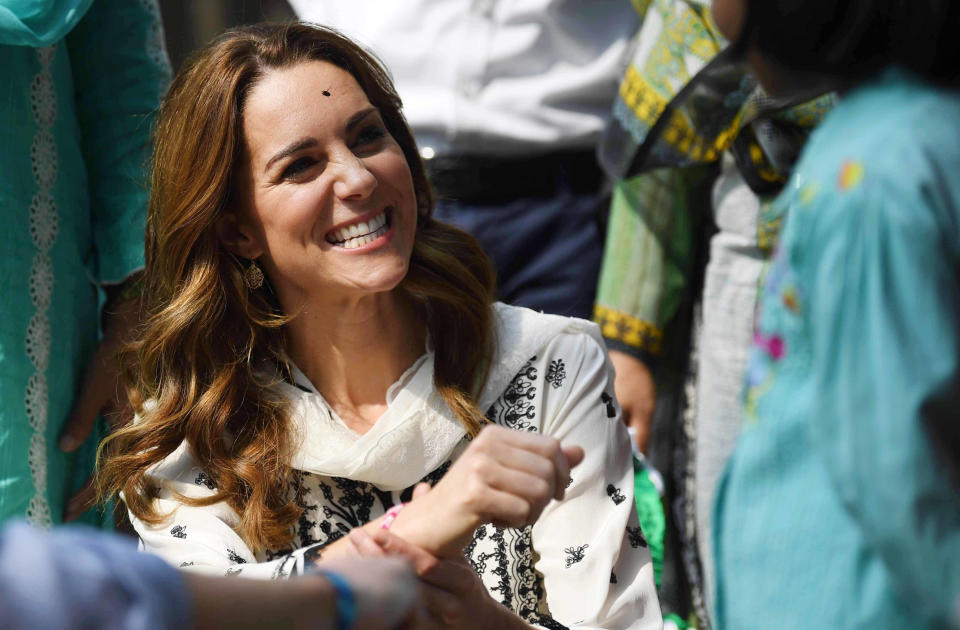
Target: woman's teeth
x=359 y=234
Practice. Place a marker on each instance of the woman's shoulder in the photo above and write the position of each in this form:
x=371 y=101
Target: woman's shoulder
x=525 y=337
x=523 y=327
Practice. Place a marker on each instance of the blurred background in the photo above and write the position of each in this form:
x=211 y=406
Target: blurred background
x=189 y=25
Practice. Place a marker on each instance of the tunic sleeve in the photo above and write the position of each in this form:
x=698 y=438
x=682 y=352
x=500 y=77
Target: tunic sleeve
x=885 y=318
x=120 y=71
x=204 y=539
x=596 y=565
x=648 y=258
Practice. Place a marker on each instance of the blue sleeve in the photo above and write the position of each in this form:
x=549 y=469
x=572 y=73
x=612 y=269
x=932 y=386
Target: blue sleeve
x=120 y=71
x=885 y=325
x=77 y=578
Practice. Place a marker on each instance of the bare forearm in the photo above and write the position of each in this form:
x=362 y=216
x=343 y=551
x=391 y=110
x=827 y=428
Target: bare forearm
x=241 y=603
x=418 y=524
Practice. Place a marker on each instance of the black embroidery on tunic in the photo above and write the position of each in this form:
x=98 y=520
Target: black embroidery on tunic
x=556 y=373
x=204 y=480
x=509 y=557
x=504 y=558
x=613 y=577
x=186 y=564
x=607 y=400
x=515 y=408
x=179 y=531
x=235 y=557
x=635 y=537
x=574 y=555
x=234 y=571
x=614 y=493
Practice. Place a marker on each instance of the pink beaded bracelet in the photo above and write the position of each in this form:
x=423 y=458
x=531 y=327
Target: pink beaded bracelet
x=391 y=516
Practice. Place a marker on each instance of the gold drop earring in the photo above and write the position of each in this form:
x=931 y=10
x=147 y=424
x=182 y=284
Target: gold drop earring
x=253 y=276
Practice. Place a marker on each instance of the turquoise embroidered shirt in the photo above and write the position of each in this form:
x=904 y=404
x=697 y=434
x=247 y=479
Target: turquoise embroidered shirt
x=79 y=84
x=834 y=511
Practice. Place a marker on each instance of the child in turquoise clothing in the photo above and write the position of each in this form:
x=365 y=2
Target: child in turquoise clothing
x=835 y=511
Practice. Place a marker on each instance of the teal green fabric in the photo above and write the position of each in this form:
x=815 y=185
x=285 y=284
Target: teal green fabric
x=834 y=511
x=75 y=136
x=39 y=23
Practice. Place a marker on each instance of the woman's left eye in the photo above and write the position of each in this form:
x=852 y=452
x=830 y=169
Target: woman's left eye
x=369 y=135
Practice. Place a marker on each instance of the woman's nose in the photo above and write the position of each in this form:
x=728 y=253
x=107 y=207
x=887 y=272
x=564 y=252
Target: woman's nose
x=353 y=179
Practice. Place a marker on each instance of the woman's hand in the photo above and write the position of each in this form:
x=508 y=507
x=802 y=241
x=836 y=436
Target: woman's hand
x=100 y=394
x=505 y=477
x=452 y=592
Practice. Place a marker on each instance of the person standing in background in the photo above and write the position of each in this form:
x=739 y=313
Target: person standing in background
x=507 y=99
x=81 y=80
x=699 y=151
x=834 y=510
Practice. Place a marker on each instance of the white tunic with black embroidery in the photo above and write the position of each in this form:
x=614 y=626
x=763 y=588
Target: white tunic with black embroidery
x=583 y=564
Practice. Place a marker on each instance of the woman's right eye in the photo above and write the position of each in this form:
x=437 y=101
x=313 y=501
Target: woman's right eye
x=297 y=167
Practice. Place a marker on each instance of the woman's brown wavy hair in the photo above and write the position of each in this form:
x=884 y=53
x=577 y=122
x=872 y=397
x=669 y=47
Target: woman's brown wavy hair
x=197 y=368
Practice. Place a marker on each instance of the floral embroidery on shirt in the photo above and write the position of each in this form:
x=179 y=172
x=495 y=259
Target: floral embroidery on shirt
x=635 y=537
x=614 y=493
x=771 y=344
x=179 y=531
x=515 y=408
x=504 y=559
x=574 y=555
x=234 y=571
x=791 y=299
x=556 y=373
x=613 y=577
x=851 y=174
x=235 y=557
x=607 y=400
x=204 y=480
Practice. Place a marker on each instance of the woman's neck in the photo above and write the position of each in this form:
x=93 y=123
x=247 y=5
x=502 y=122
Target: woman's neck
x=353 y=350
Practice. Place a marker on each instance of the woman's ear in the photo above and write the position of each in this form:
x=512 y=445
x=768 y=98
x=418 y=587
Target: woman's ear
x=238 y=237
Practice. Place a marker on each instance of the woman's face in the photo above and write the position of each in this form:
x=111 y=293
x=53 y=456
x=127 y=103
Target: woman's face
x=329 y=207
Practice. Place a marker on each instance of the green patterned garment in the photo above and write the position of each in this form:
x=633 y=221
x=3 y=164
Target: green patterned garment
x=81 y=82
x=682 y=105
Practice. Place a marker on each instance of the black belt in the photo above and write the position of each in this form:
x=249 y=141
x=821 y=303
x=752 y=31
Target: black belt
x=476 y=179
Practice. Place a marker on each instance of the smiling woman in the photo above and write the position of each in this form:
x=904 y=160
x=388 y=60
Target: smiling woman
x=274 y=420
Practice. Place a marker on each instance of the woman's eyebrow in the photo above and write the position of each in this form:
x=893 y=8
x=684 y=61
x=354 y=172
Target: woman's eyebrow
x=359 y=117
x=290 y=149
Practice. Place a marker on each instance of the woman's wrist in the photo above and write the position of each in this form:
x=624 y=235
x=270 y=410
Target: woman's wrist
x=440 y=528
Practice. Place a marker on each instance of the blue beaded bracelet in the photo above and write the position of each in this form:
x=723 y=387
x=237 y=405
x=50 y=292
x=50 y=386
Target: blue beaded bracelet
x=346 y=601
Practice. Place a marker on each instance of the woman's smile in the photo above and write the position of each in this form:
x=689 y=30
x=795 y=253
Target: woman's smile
x=364 y=233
